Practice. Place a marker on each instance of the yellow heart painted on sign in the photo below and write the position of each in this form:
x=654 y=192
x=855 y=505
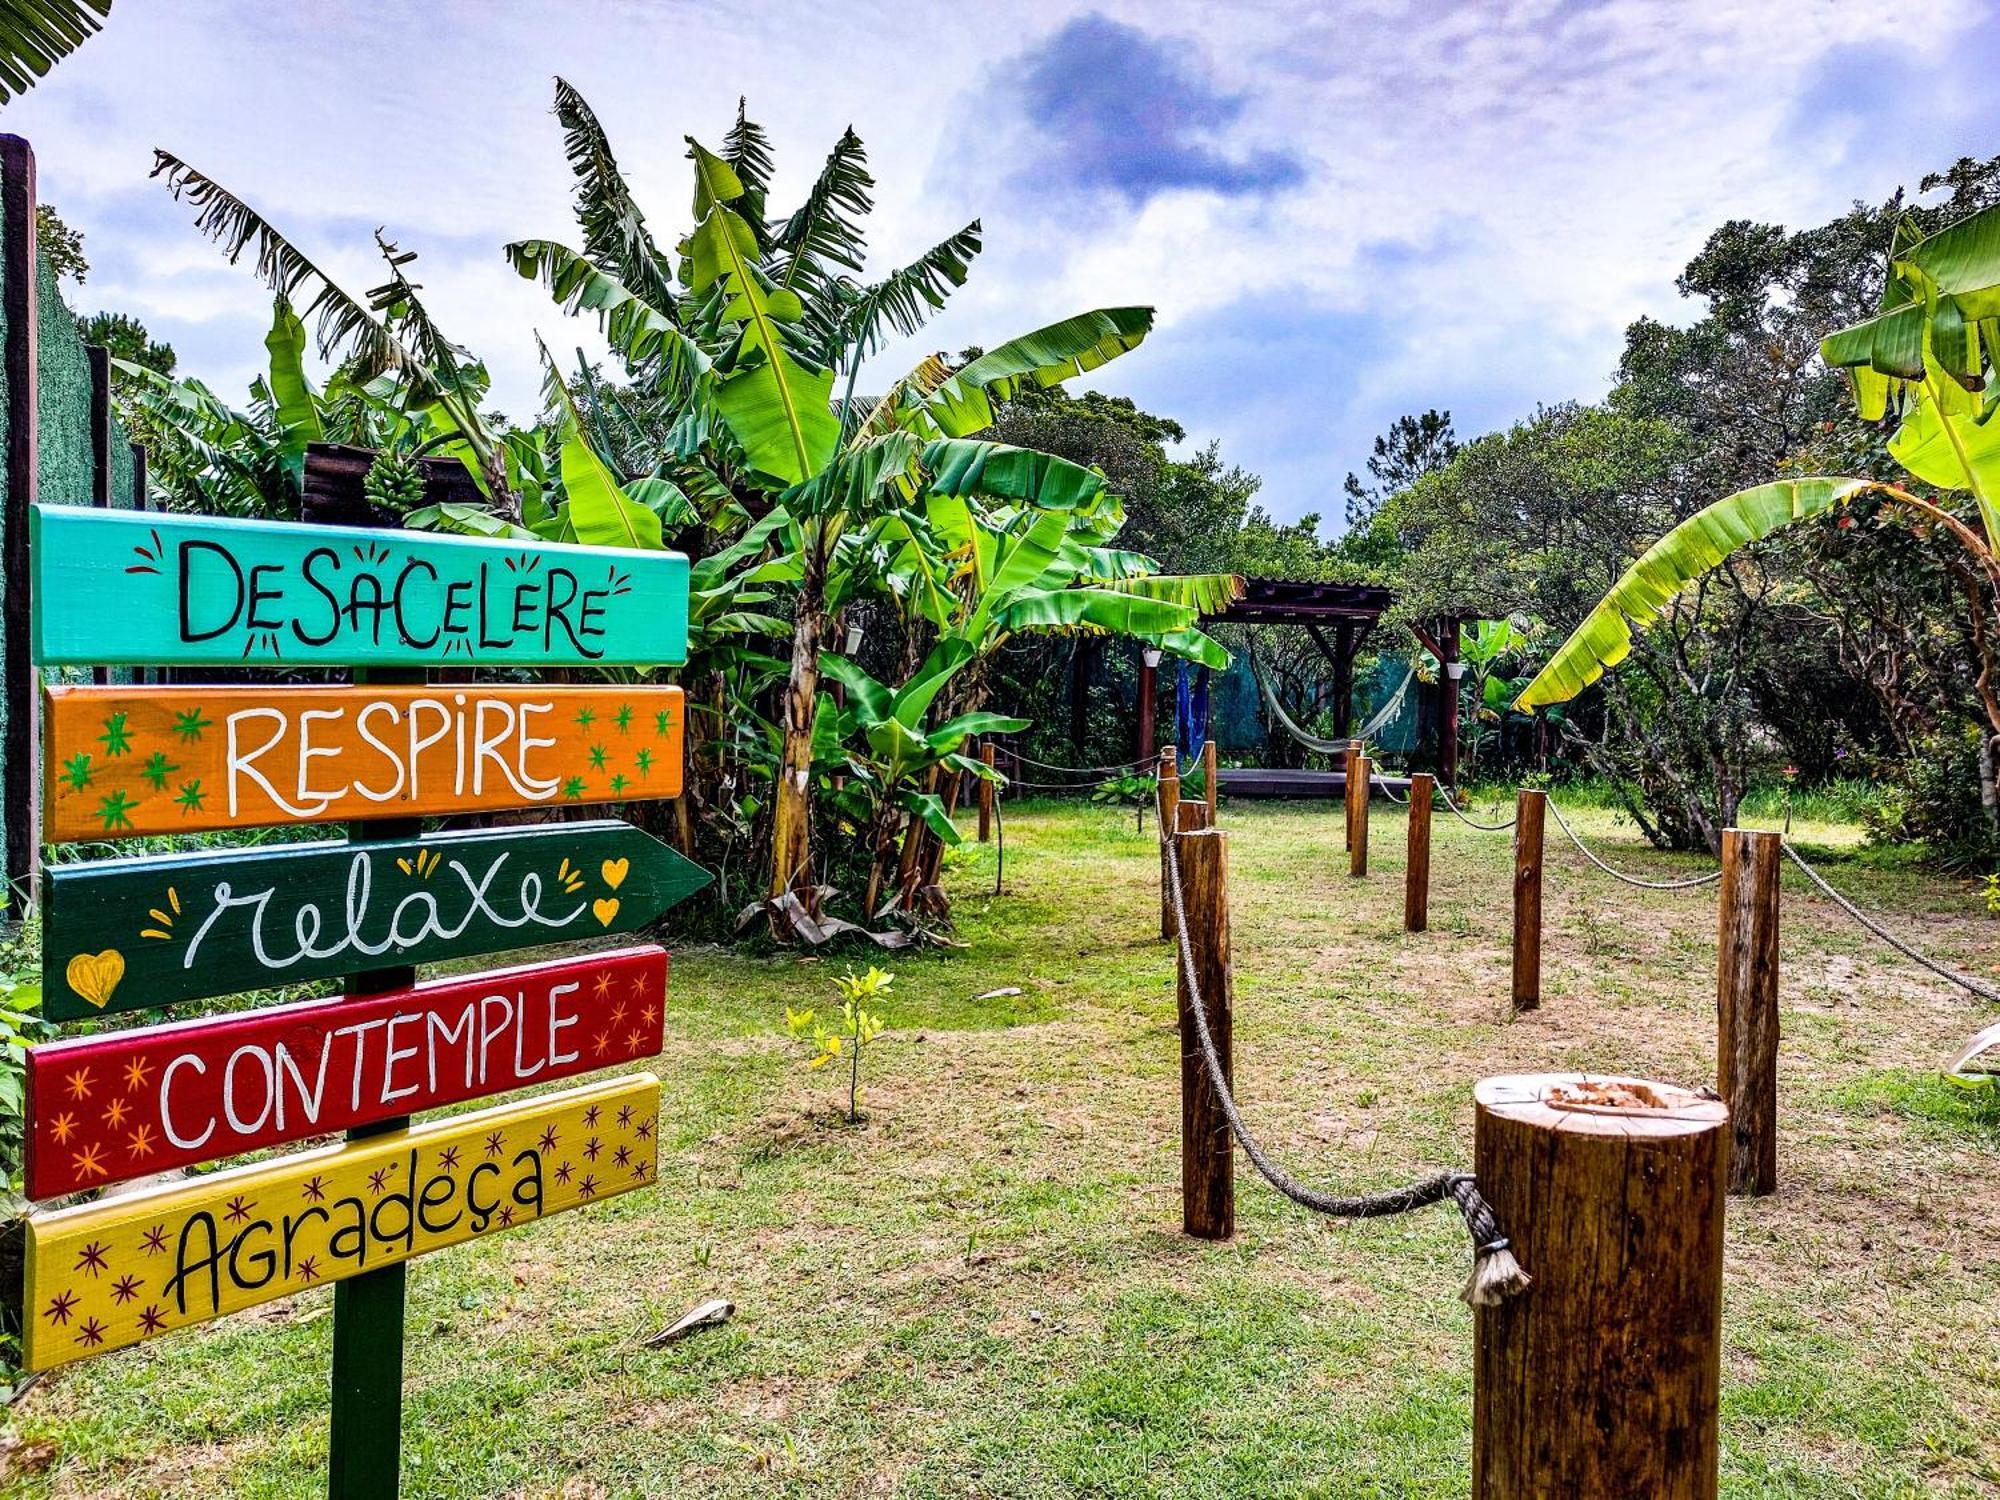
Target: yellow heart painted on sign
x=95 y=975
x=606 y=910
x=615 y=871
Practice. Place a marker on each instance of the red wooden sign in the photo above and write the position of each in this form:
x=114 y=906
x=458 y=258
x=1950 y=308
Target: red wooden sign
x=103 y=1109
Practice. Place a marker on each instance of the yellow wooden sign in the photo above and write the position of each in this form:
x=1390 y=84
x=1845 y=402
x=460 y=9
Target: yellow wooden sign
x=102 y=1276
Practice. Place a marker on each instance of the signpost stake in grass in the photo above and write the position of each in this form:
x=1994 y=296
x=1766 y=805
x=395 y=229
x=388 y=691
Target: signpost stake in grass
x=1417 y=865
x=1529 y=807
x=986 y=797
x=1746 y=1004
x=1208 y=1161
x=1357 y=818
x=1170 y=801
x=1208 y=779
x=1605 y=1378
x=365 y=1431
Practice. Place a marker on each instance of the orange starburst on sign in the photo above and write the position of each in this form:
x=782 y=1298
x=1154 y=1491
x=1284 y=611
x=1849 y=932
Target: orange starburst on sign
x=603 y=1041
x=137 y=1071
x=62 y=1127
x=89 y=1162
x=115 y=1112
x=639 y=987
x=140 y=1141
x=603 y=986
x=79 y=1084
x=650 y=1014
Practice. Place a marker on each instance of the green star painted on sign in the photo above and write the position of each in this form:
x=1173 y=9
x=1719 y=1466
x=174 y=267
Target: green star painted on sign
x=116 y=739
x=645 y=762
x=623 y=718
x=596 y=757
x=585 y=717
x=661 y=722
x=157 y=770
x=76 y=771
x=573 y=789
x=188 y=726
x=115 y=810
x=192 y=797
x=618 y=783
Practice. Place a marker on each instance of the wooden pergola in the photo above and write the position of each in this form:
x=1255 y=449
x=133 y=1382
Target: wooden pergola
x=1340 y=618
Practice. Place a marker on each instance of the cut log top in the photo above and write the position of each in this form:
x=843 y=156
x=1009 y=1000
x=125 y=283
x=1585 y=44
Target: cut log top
x=1577 y=1103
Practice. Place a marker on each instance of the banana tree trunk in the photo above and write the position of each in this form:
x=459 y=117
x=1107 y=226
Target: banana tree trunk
x=791 y=814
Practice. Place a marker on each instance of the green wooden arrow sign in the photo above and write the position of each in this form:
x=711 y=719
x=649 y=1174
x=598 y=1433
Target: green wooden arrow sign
x=131 y=587
x=136 y=934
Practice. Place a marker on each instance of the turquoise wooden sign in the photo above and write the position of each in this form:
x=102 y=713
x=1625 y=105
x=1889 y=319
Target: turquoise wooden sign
x=123 y=588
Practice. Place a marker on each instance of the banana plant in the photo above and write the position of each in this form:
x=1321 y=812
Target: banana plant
x=391 y=332
x=1925 y=358
x=738 y=341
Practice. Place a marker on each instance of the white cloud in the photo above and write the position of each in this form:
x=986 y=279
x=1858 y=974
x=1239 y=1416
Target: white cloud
x=1501 y=187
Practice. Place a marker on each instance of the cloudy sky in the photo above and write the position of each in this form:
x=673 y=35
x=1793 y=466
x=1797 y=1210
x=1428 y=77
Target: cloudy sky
x=1341 y=213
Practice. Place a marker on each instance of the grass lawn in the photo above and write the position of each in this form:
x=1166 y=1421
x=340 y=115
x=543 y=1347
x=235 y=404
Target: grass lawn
x=982 y=1290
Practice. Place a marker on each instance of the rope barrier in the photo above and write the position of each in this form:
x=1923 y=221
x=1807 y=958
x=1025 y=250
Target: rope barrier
x=1388 y=791
x=1453 y=808
x=1645 y=885
x=1943 y=971
x=1495 y=1276
x=1029 y=760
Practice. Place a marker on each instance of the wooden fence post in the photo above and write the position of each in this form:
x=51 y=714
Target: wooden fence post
x=1357 y=818
x=1746 y=1005
x=1170 y=801
x=1347 y=785
x=986 y=797
x=20 y=745
x=1604 y=1378
x=1417 y=865
x=1208 y=779
x=1529 y=807
x=1208 y=1160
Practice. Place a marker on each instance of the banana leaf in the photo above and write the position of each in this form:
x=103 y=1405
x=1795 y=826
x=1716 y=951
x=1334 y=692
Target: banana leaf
x=291 y=397
x=1047 y=357
x=1691 y=549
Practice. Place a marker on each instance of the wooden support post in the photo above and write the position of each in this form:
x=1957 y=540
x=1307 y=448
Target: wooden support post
x=1170 y=801
x=20 y=779
x=1148 y=675
x=1208 y=1161
x=1529 y=808
x=1347 y=786
x=986 y=797
x=1357 y=818
x=1417 y=864
x=1192 y=817
x=1746 y=1006
x=1604 y=1378
x=1208 y=778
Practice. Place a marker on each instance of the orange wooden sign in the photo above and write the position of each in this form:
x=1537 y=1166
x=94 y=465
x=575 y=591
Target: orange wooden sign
x=123 y=762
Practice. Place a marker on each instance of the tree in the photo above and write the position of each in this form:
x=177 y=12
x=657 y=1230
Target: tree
x=127 y=340
x=60 y=245
x=1924 y=358
x=1412 y=447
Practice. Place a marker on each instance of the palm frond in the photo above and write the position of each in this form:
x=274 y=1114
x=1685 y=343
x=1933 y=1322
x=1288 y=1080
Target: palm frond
x=905 y=299
x=614 y=228
x=342 y=326
x=748 y=150
x=826 y=229
x=35 y=35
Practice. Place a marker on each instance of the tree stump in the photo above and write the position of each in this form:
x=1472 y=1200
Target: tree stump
x=1604 y=1377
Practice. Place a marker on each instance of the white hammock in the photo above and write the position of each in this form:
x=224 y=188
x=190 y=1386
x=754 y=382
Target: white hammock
x=1383 y=715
